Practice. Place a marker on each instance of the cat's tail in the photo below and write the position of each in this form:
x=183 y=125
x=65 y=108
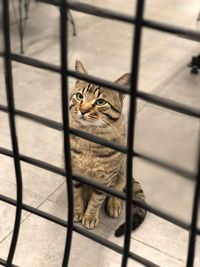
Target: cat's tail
x=138 y=214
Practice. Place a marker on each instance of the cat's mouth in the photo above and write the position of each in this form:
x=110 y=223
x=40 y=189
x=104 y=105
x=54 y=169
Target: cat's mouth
x=83 y=118
x=86 y=121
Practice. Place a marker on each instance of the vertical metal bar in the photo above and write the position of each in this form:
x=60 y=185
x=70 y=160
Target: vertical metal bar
x=131 y=126
x=193 y=231
x=65 y=115
x=11 y=107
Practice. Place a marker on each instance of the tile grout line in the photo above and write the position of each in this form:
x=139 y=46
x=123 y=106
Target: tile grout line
x=25 y=188
x=54 y=192
x=30 y=214
x=150 y=246
x=160 y=251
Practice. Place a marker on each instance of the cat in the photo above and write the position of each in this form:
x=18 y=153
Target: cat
x=98 y=111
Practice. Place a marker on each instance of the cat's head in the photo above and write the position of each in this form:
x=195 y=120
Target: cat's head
x=92 y=105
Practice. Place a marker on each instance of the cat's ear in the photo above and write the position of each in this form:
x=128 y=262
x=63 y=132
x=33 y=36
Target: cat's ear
x=79 y=67
x=124 y=80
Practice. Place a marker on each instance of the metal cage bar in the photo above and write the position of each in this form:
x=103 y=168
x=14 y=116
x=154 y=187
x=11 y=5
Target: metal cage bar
x=63 y=70
x=195 y=213
x=79 y=230
x=153 y=99
x=131 y=126
x=3 y=263
x=58 y=126
x=109 y=14
x=66 y=136
x=59 y=171
x=11 y=113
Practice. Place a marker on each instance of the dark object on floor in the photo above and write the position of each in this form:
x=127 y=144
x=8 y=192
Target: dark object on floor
x=195 y=65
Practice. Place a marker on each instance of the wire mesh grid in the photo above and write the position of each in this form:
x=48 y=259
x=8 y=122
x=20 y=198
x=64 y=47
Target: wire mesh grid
x=139 y=22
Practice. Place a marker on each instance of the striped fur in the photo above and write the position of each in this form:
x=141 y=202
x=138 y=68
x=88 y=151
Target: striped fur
x=98 y=111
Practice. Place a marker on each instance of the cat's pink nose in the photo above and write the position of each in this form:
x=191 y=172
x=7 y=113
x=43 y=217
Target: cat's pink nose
x=83 y=111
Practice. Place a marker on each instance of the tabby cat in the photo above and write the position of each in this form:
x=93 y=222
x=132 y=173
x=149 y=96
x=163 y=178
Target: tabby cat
x=98 y=111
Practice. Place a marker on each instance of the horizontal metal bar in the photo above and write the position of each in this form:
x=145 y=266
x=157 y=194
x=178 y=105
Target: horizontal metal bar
x=3 y=262
x=59 y=171
x=99 y=140
x=92 y=10
x=4 y=108
x=157 y=100
x=34 y=63
x=104 y=13
x=109 y=14
x=35 y=162
x=145 y=206
x=167 y=28
x=177 y=170
x=27 y=115
x=44 y=121
x=169 y=104
x=89 y=78
x=85 y=77
x=79 y=230
x=58 y=126
x=99 y=12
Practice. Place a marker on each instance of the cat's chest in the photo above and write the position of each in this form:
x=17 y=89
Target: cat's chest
x=85 y=153
x=89 y=158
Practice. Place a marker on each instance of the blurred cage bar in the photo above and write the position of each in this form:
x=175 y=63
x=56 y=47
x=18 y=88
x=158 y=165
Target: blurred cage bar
x=138 y=23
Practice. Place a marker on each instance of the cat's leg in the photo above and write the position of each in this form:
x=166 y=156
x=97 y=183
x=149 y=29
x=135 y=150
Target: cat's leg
x=78 y=202
x=114 y=204
x=91 y=216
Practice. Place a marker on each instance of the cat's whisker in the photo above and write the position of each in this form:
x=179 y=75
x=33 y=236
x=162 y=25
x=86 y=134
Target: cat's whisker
x=105 y=126
x=100 y=128
x=109 y=127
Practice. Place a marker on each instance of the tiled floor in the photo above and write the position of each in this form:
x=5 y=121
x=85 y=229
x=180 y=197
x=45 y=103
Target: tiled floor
x=104 y=46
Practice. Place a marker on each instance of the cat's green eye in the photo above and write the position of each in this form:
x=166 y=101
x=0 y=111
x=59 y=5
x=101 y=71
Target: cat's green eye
x=101 y=102
x=79 y=96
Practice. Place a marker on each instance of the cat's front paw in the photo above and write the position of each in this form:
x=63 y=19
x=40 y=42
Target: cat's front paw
x=78 y=217
x=89 y=221
x=114 y=207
